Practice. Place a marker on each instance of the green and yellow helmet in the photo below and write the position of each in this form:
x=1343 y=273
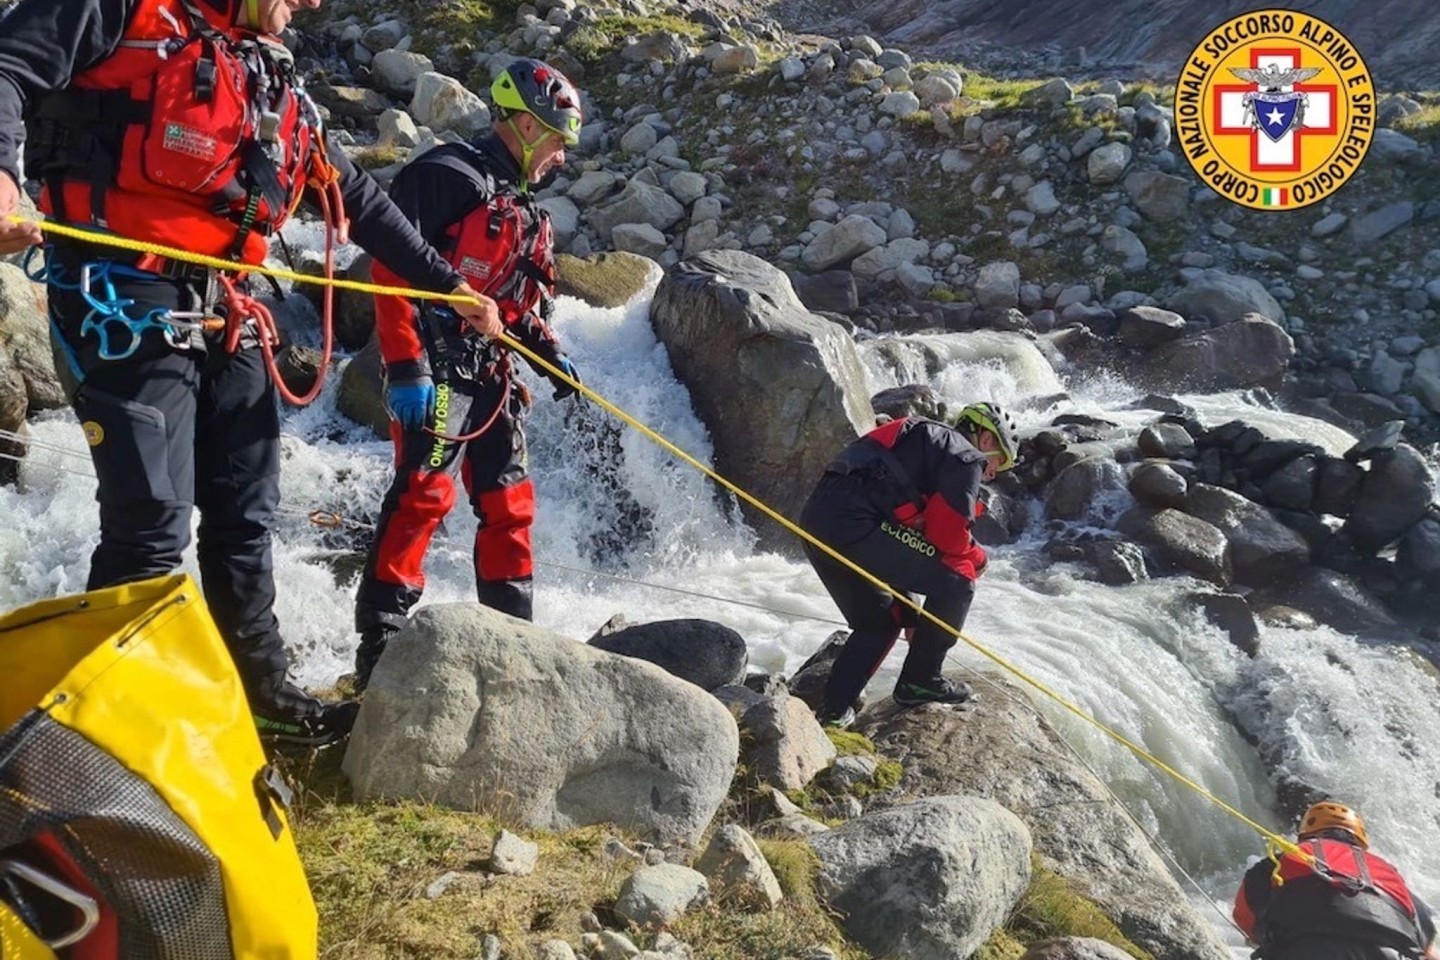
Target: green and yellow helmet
x=990 y=417
x=536 y=88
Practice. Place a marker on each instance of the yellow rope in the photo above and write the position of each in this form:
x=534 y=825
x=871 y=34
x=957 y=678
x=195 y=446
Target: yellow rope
x=665 y=444
x=219 y=263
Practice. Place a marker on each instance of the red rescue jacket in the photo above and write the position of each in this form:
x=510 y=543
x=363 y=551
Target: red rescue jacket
x=1349 y=895
x=927 y=476
x=503 y=244
x=193 y=134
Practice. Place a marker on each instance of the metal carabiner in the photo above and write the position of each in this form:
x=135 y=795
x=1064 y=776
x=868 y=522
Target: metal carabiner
x=109 y=308
x=87 y=906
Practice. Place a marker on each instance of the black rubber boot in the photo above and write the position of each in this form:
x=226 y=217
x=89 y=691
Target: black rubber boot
x=286 y=714
x=508 y=596
x=367 y=654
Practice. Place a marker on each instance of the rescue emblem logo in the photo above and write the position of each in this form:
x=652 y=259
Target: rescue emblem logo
x=94 y=433
x=189 y=141
x=1275 y=109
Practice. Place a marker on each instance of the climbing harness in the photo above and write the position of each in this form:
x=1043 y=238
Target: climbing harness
x=235 y=313
x=108 y=319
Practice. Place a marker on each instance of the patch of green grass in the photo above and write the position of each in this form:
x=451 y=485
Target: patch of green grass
x=795 y=866
x=1423 y=126
x=919 y=120
x=941 y=294
x=848 y=743
x=1050 y=908
x=454 y=22
x=593 y=42
x=374 y=158
x=1003 y=93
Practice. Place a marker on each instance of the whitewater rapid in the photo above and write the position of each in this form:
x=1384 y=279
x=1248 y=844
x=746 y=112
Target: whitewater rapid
x=1355 y=719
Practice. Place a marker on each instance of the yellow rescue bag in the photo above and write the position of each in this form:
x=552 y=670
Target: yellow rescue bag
x=18 y=941
x=131 y=775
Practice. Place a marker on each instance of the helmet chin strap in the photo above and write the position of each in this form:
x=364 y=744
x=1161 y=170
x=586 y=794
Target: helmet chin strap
x=527 y=150
x=249 y=14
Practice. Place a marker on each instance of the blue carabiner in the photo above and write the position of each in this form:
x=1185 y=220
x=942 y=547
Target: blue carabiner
x=110 y=309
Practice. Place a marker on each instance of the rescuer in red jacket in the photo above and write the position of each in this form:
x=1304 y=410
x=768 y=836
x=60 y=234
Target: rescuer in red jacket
x=454 y=399
x=1349 y=904
x=183 y=123
x=899 y=503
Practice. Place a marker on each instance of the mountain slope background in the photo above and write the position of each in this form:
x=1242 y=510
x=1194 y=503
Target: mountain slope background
x=1144 y=38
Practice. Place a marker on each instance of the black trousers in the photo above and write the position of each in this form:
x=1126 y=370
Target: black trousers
x=841 y=514
x=172 y=430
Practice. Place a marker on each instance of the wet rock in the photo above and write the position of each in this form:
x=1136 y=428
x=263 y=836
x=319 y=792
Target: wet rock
x=1117 y=562
x=1396 y=493
x=910 y=400
x=707 y=654
x=1158 y=485
x=1179 y=542
x=928 y=879
x=1231 y=613
x=1333 y=598
x=1262 y=549
x=1337 y=485
x=1074 y=491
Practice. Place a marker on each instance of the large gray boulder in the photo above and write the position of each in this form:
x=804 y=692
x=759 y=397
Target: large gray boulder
x=929 y=880
x=472 y=709
x=1007 y=752
x=788 y=745
x=780 y=389
x=1179 y=542
x=842 y=243
x=362 y=391
x=1262 y=548
x=1393 y=496
x=1223 y=297
x=639 y=202
x=706 y=653
x=1249 y=352
x=25 y=334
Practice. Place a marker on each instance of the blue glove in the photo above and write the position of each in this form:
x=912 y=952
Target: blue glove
x=411 y=401
x=563 y=389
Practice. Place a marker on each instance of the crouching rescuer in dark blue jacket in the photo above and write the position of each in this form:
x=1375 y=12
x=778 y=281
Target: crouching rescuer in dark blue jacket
x=899 y=503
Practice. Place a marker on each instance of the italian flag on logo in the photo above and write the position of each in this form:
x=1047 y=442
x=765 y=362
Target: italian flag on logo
x=1275 y=196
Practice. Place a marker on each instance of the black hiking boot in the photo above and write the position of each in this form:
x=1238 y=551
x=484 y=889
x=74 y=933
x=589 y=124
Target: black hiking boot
x=286 y=714
x=367 y=654
x=936 y=690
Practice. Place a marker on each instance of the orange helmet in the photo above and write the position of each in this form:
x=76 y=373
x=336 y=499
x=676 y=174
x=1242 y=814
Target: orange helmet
x=1329 y=815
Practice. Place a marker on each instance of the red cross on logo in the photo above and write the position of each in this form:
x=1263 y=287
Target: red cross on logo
x=1231 y=114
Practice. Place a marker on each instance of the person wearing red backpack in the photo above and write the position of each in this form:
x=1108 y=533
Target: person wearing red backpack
x=454 y=401
x=184 y=123
x=899 y=503
x=1345 y=904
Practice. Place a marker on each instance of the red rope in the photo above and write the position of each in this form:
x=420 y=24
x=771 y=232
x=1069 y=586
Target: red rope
x=240 y=306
